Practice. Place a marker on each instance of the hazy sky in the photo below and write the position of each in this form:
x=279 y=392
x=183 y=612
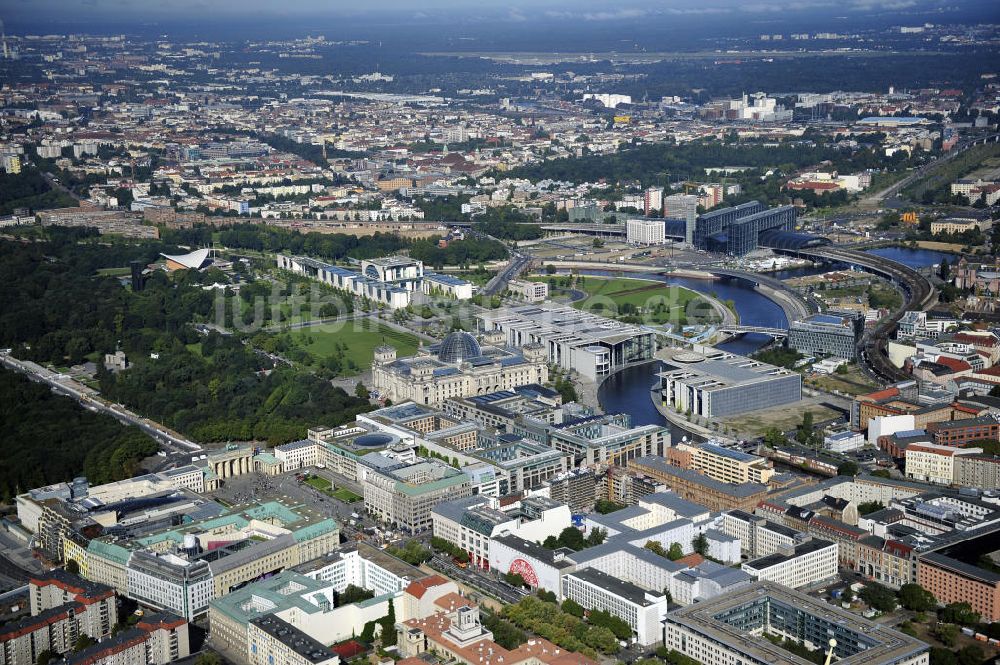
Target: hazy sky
x=343 y=17
x=590 y=10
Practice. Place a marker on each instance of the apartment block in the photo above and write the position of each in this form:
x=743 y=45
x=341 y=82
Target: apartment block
x=63 y=607
x=722 y=464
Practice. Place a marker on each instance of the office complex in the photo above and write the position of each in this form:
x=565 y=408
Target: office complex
x=470 y=523
x=503 y=409
x=662 y=518
x=306 y=597
x=732 y=628
x=954 y=581
x=457 y=367
x=391 y=281
x=592 y=345
x=523 y=464
x=718 y=384
x=795 y=566
x=695 y=486
x=608 y=439
x=830 y=334
x=964 y=431
x=682 y=207
x=532 y=292
x=180 y=569
x=404 y=493
x=273 y=640
x=645 y=231
x=759 y=537
x=735 y=231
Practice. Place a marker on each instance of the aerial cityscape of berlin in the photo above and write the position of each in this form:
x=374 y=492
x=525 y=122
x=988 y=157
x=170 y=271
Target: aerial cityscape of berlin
x=523 y=332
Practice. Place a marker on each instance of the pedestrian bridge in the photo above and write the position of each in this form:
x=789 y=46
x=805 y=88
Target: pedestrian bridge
x=777 y=333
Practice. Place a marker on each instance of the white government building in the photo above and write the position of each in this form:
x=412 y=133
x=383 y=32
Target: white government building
x=391 y=280
x=457 y=367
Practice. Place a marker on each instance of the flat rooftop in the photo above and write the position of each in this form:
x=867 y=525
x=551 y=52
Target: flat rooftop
x=613 y=585
x=563 y=324
x=884 y=645
x=305 y=647
x=717 y=369
x=801 y=549
x=660 y=465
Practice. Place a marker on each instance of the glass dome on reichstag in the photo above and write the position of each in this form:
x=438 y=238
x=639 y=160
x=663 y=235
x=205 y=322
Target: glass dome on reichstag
x=458 y=346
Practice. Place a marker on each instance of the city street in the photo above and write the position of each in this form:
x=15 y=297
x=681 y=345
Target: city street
x=478 y=579
x=91 y=400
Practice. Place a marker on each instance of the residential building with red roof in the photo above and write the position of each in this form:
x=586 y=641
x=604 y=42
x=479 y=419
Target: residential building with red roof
x=421 y=596
x=459 y=635
x=63 y=607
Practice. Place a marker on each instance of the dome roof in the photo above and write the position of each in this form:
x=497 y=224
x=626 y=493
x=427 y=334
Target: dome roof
x=458 y=346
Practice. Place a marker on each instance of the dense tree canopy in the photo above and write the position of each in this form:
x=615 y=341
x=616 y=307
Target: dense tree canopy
x=28 y=189
x=47 y=438
x=339 y=246
x=660 y=164
x=211 y=387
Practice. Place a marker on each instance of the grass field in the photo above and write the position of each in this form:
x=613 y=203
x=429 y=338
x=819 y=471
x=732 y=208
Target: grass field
x=783 y=417
x=326 y=487
x=657 y=302
x=322 y=484
x=360 y=337
x=940 y=246
x=114 y=272
x=345 y=495
x=852 y=383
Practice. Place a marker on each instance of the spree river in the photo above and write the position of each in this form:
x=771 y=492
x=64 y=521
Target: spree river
x=628 y=390
x=914 y=258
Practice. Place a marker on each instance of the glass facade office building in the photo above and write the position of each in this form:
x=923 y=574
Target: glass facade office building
x=736 y=230
x=827 y=335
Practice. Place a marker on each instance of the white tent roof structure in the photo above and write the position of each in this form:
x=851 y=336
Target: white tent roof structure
x=195 y=260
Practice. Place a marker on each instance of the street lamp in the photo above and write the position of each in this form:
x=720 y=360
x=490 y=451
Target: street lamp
x=829 y=654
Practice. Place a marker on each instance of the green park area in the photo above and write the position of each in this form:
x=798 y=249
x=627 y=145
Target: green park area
x=634 y=300
x=320 y=483
x=326 y=487
x=352 y=342
x=345 y=495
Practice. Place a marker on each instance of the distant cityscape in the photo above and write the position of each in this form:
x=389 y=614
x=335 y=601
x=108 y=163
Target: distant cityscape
x=551 y=335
